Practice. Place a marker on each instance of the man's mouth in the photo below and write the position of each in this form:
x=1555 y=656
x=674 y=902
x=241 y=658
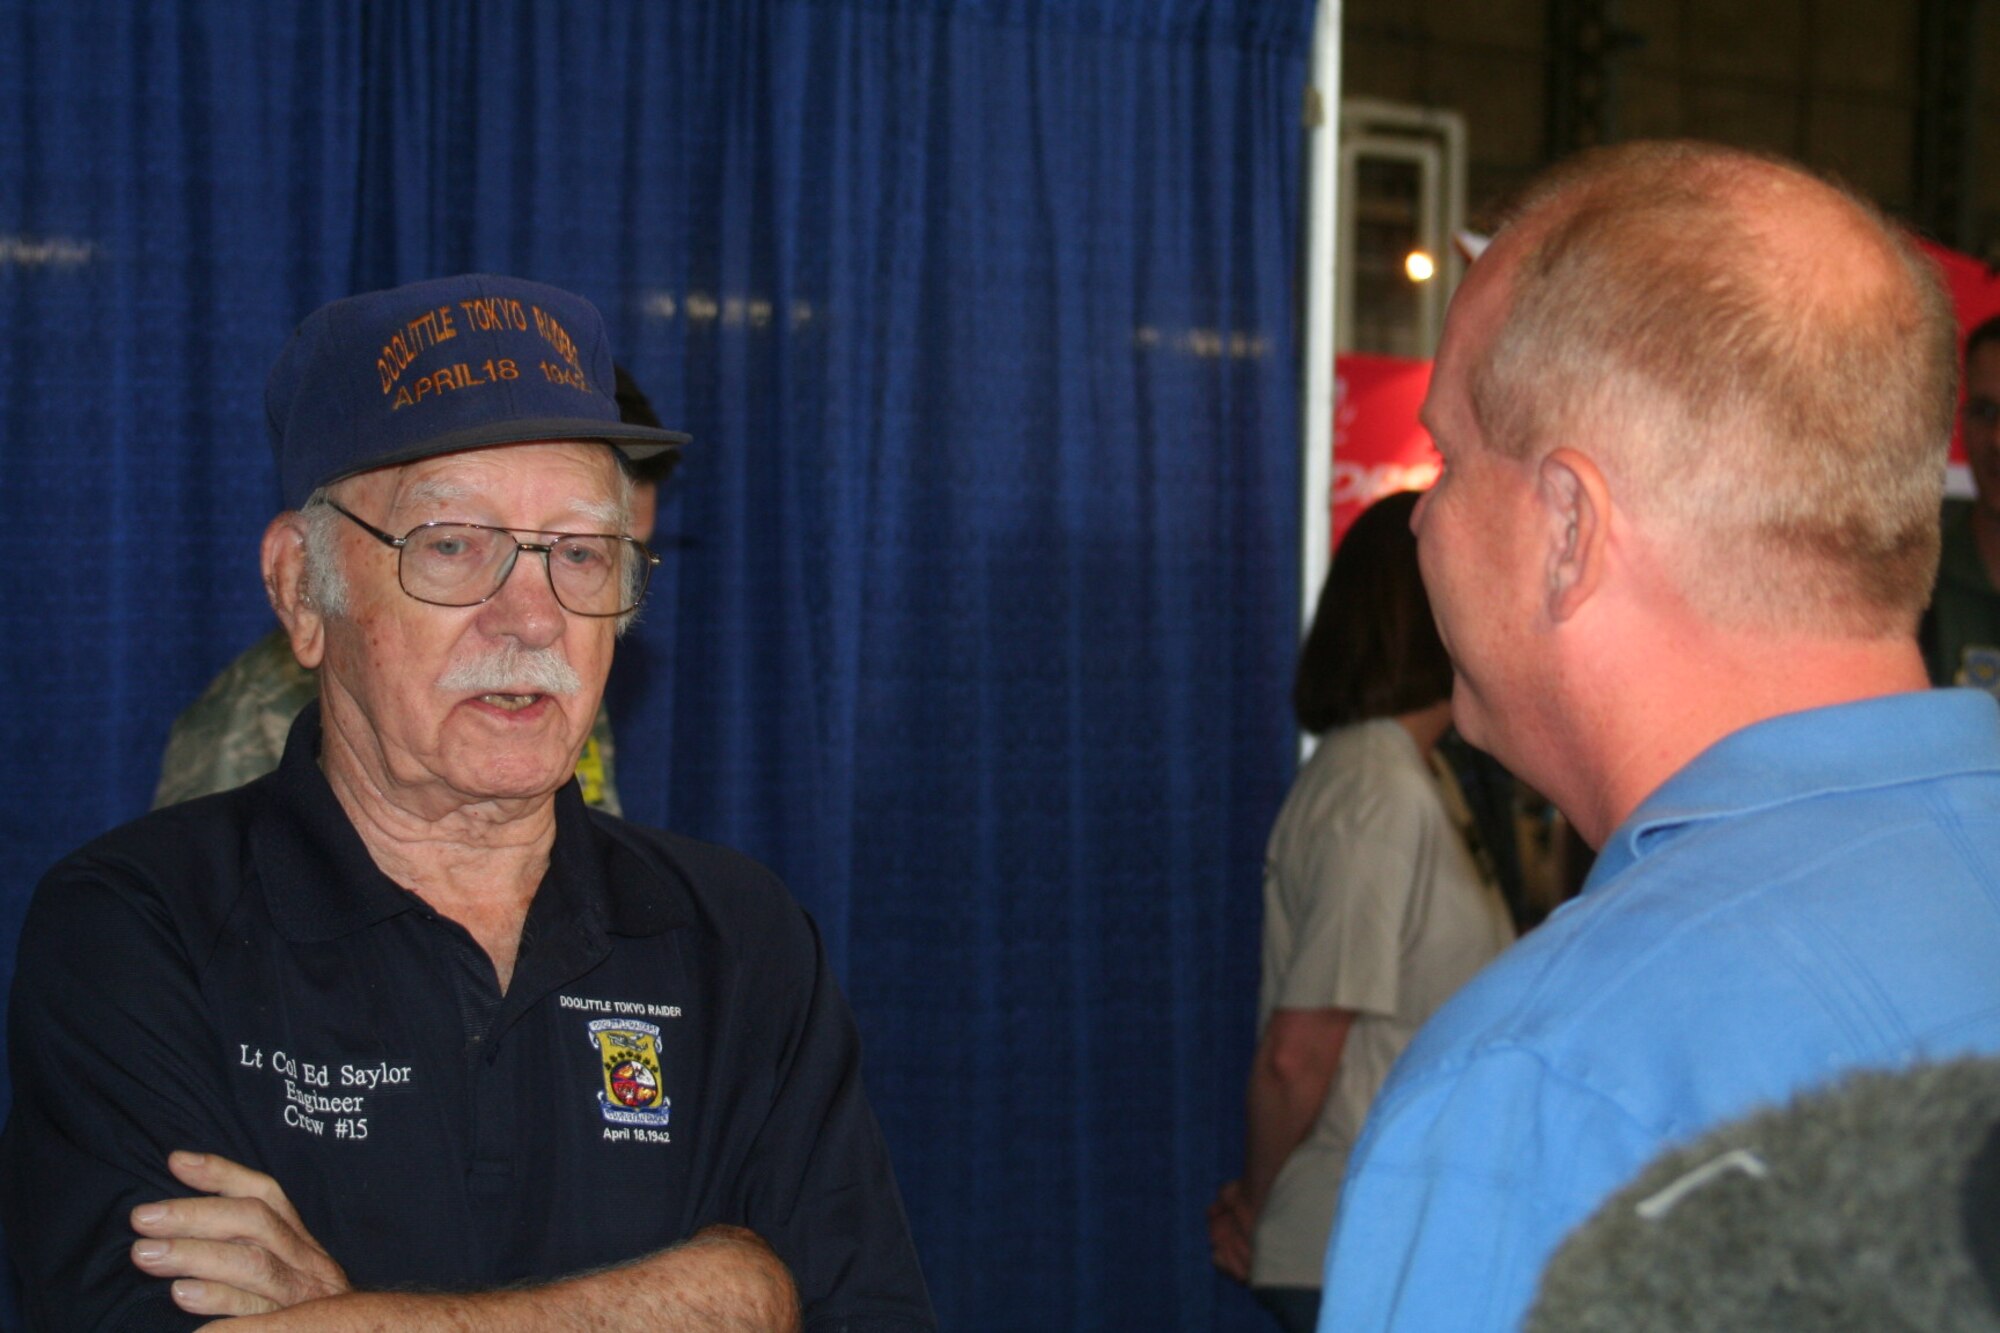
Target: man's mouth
x=512 y=703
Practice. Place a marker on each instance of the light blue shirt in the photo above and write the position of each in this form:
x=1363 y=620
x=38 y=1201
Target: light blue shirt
x=1813 y=894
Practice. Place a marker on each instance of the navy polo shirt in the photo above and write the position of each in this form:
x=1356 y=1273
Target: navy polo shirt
x=235 y=975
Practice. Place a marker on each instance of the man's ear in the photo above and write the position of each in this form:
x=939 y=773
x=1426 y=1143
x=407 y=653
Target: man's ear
x=1577 y=503
x=285 y=584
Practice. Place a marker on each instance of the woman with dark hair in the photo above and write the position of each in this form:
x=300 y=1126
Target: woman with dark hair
x=1374 y=910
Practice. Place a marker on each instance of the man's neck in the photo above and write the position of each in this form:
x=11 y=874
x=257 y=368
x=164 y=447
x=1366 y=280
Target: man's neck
x=478 y=863
x=1677 y=703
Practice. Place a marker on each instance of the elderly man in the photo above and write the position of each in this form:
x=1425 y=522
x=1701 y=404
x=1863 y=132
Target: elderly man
x=404 y=1014
x=236 y=730
x=1693 y=406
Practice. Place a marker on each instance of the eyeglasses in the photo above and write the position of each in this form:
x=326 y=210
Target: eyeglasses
x=464 y=564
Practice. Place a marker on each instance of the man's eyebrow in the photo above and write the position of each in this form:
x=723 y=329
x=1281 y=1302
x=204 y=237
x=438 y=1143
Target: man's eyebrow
x=438 y=490
x=601 y=511
x=434 y=490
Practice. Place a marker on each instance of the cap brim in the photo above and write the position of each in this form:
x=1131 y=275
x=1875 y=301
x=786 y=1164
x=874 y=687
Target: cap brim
x=633 y=441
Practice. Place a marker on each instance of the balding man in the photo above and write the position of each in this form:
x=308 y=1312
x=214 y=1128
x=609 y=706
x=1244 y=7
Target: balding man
x=404 y=1013
x=1693 y=406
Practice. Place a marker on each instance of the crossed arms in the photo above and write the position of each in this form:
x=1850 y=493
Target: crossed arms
x=238 y=1248
x=119 y=1060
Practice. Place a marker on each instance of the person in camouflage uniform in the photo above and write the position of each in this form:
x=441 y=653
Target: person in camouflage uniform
x=236 y=730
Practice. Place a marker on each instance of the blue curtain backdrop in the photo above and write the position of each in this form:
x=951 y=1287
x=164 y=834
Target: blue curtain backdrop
x=977 y=614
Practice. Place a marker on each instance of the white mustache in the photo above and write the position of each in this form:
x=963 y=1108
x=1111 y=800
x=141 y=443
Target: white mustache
x=508 y=671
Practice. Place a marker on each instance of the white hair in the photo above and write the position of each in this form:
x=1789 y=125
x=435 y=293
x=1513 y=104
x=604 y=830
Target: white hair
x=324 y=580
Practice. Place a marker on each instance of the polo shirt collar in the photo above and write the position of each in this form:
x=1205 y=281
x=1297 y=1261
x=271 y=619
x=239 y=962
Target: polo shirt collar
x=321 y=883
x=1872 y=743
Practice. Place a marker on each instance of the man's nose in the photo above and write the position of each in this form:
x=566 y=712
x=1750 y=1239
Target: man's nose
x=525 y=609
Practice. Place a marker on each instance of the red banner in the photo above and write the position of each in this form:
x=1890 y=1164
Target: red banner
x=1378 y=445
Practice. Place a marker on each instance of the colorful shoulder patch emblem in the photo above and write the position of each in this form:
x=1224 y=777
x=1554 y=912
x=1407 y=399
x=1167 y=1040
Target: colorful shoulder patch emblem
x=629 y=1053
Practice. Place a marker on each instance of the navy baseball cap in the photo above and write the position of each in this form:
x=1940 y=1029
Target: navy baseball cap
x=436 y=367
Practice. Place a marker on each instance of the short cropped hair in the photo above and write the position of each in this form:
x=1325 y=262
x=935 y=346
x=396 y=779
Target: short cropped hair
x=1760 y=357
x=1373 y=649
x=325 y=582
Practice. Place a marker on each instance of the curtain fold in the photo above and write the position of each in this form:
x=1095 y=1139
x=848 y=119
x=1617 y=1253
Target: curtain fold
x=976 y=620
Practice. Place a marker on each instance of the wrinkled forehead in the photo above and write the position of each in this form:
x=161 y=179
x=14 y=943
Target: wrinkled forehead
x=534 y=483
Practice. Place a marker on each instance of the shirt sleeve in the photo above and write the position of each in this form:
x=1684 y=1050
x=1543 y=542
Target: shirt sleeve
x=817 y=1184
x=113 y=1066
x=1461 y=1189
x=1357 y=884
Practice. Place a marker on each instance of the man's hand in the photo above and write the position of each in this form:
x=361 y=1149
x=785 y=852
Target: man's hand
x=722 y=1280
x=1230 y=1222
x=238 y=1249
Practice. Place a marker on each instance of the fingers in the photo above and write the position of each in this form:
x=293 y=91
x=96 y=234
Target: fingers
x=1233 y=1258
x=213 y=1174
x=214 y=1298
x=239 y=1242
x=250 y=1270
x=240 y=1248
x=1231 y=1254
x=1229 y=1233
x=245 y=1221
